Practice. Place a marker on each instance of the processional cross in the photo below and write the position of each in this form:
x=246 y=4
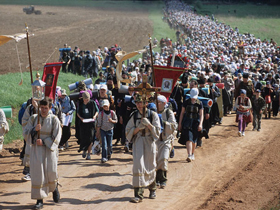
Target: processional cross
x=144 y=89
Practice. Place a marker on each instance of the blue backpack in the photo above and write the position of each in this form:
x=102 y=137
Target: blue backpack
x=21 y=112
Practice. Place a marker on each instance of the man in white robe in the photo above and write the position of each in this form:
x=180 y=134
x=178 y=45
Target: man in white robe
x=4 y=128
x=43 y=153
x=165 y=140
x=144 y=149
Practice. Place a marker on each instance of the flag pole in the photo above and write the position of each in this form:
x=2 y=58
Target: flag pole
x=152 y=63
x=28 y=48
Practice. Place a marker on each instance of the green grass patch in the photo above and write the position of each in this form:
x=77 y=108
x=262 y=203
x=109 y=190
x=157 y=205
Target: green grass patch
x=12 y=94
x=262 y=21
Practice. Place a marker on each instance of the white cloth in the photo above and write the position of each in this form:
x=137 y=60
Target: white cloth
x=43 y=159
x=144 y=150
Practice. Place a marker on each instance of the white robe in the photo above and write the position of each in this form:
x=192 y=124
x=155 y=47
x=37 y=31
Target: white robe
x=43 y=159
x=144 y=151
x=164 y=143
x=4 y=126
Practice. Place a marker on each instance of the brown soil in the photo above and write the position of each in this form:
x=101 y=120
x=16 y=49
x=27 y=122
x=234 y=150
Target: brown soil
x=229 y=172
x=87 y=28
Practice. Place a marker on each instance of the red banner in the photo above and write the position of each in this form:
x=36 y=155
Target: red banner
x=50 y=76
x=166 y=78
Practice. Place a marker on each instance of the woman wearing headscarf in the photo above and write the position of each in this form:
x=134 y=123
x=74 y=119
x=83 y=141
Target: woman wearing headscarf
x=243 y=114
x=87 y=113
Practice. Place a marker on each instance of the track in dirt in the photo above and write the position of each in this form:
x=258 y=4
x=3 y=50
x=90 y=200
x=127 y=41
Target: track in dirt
x=229 y=173
x=87 y=28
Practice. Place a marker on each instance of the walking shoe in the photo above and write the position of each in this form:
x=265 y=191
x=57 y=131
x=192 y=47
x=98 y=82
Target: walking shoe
x=259 y=129
x=243 y=133
x=104 y=160
x=88 y=157
x=56 y=195
x=152 y=194
x=136 y=200
x=39 y=204
x=254 y=129
x=117 y=142
x=26 y=178
x=229 y=112
x=60 y=148
x=172 y=153
x=84 y=154
x=66 y=145
x=25 y=170
x=189 y=159
x=192 y=157
x=162 y=185
x=239 y=133
x=109 y=157
x=158 y=184
x=126 y=148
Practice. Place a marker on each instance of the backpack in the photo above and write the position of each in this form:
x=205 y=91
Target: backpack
x=21 y=112
x=135 y=113
x=172 y=104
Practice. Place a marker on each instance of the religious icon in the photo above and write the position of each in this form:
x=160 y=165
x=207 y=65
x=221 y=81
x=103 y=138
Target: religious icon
x=166 y=85
x=49 y=79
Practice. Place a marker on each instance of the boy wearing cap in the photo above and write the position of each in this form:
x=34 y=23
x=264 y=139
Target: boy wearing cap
x=190 y=123
x=144 y=149
x=105 y=125
x=243 y=115
x=258 y=106
x=165 y=140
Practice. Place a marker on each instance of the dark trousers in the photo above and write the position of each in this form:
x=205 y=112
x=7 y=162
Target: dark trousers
x=275 y=107
x=21 y=156
x=161 y=176
x=139 y=191
x=257 y=119
x=66 y=133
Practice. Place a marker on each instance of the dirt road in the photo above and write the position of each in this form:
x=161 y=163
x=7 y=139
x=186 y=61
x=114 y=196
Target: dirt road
x=229 y=172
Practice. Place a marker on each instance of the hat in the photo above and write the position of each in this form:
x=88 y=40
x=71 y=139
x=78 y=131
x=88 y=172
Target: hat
x=86 y=95
x=258 y=91
x=210 y=80
x=245 y=75
x=194 y=93
x=63 y=92
x=105 y=102
x=267 y=82
x=242 y=91
x=103 y=86
x=162 y=99
x=201 y=81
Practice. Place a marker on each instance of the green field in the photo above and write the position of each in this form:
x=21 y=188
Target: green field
x=262 y=21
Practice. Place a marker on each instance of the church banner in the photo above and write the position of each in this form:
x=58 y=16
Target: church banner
x=166 y=78
x=50 y=76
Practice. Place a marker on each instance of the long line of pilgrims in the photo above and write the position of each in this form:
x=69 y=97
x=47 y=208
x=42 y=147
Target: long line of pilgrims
x=239 y=72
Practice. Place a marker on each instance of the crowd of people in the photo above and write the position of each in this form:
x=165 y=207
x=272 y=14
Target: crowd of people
x=238 y=72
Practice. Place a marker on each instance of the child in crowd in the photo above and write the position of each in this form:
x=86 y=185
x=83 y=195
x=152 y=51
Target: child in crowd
x=105 y=125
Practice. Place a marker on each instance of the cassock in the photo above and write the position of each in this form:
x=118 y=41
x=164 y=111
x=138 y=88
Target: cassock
x=144 y=150
x=43 y=159
x=166 y=138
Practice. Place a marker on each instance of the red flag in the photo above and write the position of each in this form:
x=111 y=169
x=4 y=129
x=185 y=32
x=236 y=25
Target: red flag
x=50 y=76
x=166 y=78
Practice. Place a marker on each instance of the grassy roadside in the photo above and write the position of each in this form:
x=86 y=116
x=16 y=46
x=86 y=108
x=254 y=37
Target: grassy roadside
x=262 y=21
x=12 y=94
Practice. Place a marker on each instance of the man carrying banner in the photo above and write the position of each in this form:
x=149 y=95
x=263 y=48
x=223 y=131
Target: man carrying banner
x=165 y=140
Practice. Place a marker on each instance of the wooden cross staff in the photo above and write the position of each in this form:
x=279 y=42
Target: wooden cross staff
x=144 y=89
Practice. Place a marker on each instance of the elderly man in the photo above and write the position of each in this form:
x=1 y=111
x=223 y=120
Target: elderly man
x=165 y=140
x=44 y=137
x=4 y=128
x=143 y=133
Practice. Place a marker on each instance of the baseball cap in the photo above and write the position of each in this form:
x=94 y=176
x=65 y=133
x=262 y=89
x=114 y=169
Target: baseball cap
x=194 y=93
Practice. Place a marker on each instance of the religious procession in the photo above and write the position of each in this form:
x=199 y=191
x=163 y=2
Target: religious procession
x=176 y=95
